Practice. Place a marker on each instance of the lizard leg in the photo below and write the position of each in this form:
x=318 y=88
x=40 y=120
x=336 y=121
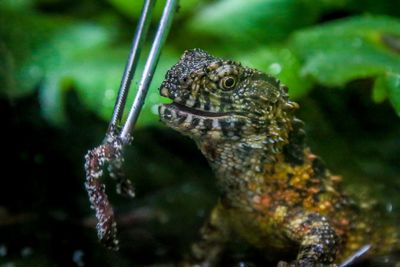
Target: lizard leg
x=214 y=235
x=317 y=239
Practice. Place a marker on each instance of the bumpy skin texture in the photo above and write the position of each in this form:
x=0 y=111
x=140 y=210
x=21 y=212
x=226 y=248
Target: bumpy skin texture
x=275 y=194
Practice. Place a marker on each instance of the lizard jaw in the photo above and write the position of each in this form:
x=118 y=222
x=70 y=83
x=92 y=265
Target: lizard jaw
x=197 y=123
x=183 y=118
x=179 y=108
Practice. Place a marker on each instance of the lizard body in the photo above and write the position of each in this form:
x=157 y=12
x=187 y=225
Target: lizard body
x=275 y=193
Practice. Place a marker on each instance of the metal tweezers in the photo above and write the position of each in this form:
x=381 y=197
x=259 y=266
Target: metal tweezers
x=118 y=135
x=149 y=68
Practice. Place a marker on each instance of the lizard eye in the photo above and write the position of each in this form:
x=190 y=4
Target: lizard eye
x=227 y=83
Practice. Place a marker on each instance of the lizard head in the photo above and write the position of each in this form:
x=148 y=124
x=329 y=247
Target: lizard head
x=222 y=100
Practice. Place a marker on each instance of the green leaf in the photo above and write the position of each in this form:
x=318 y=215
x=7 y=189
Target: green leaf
x=253 y=21
x=338 y=52
x=348 y=49
x=340 y=65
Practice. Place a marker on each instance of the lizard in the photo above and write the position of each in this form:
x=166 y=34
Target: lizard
x=275 y=193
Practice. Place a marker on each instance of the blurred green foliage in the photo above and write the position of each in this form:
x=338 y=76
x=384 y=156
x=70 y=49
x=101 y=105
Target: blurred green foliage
x=54 y=53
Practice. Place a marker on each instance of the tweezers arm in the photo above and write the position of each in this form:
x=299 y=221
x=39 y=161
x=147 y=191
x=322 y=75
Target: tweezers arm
x=149 y=68
x=130 y=67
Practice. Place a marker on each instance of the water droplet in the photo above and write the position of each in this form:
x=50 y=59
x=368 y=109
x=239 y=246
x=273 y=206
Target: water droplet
x=109 y=93
x=154 y=109
x=275 y=68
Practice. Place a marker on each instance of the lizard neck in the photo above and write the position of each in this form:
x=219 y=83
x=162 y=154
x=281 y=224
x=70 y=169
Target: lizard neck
x=239 y=165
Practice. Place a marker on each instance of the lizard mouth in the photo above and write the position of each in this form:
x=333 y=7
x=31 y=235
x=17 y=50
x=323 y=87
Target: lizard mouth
x=197 y=123
x=179 y=108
